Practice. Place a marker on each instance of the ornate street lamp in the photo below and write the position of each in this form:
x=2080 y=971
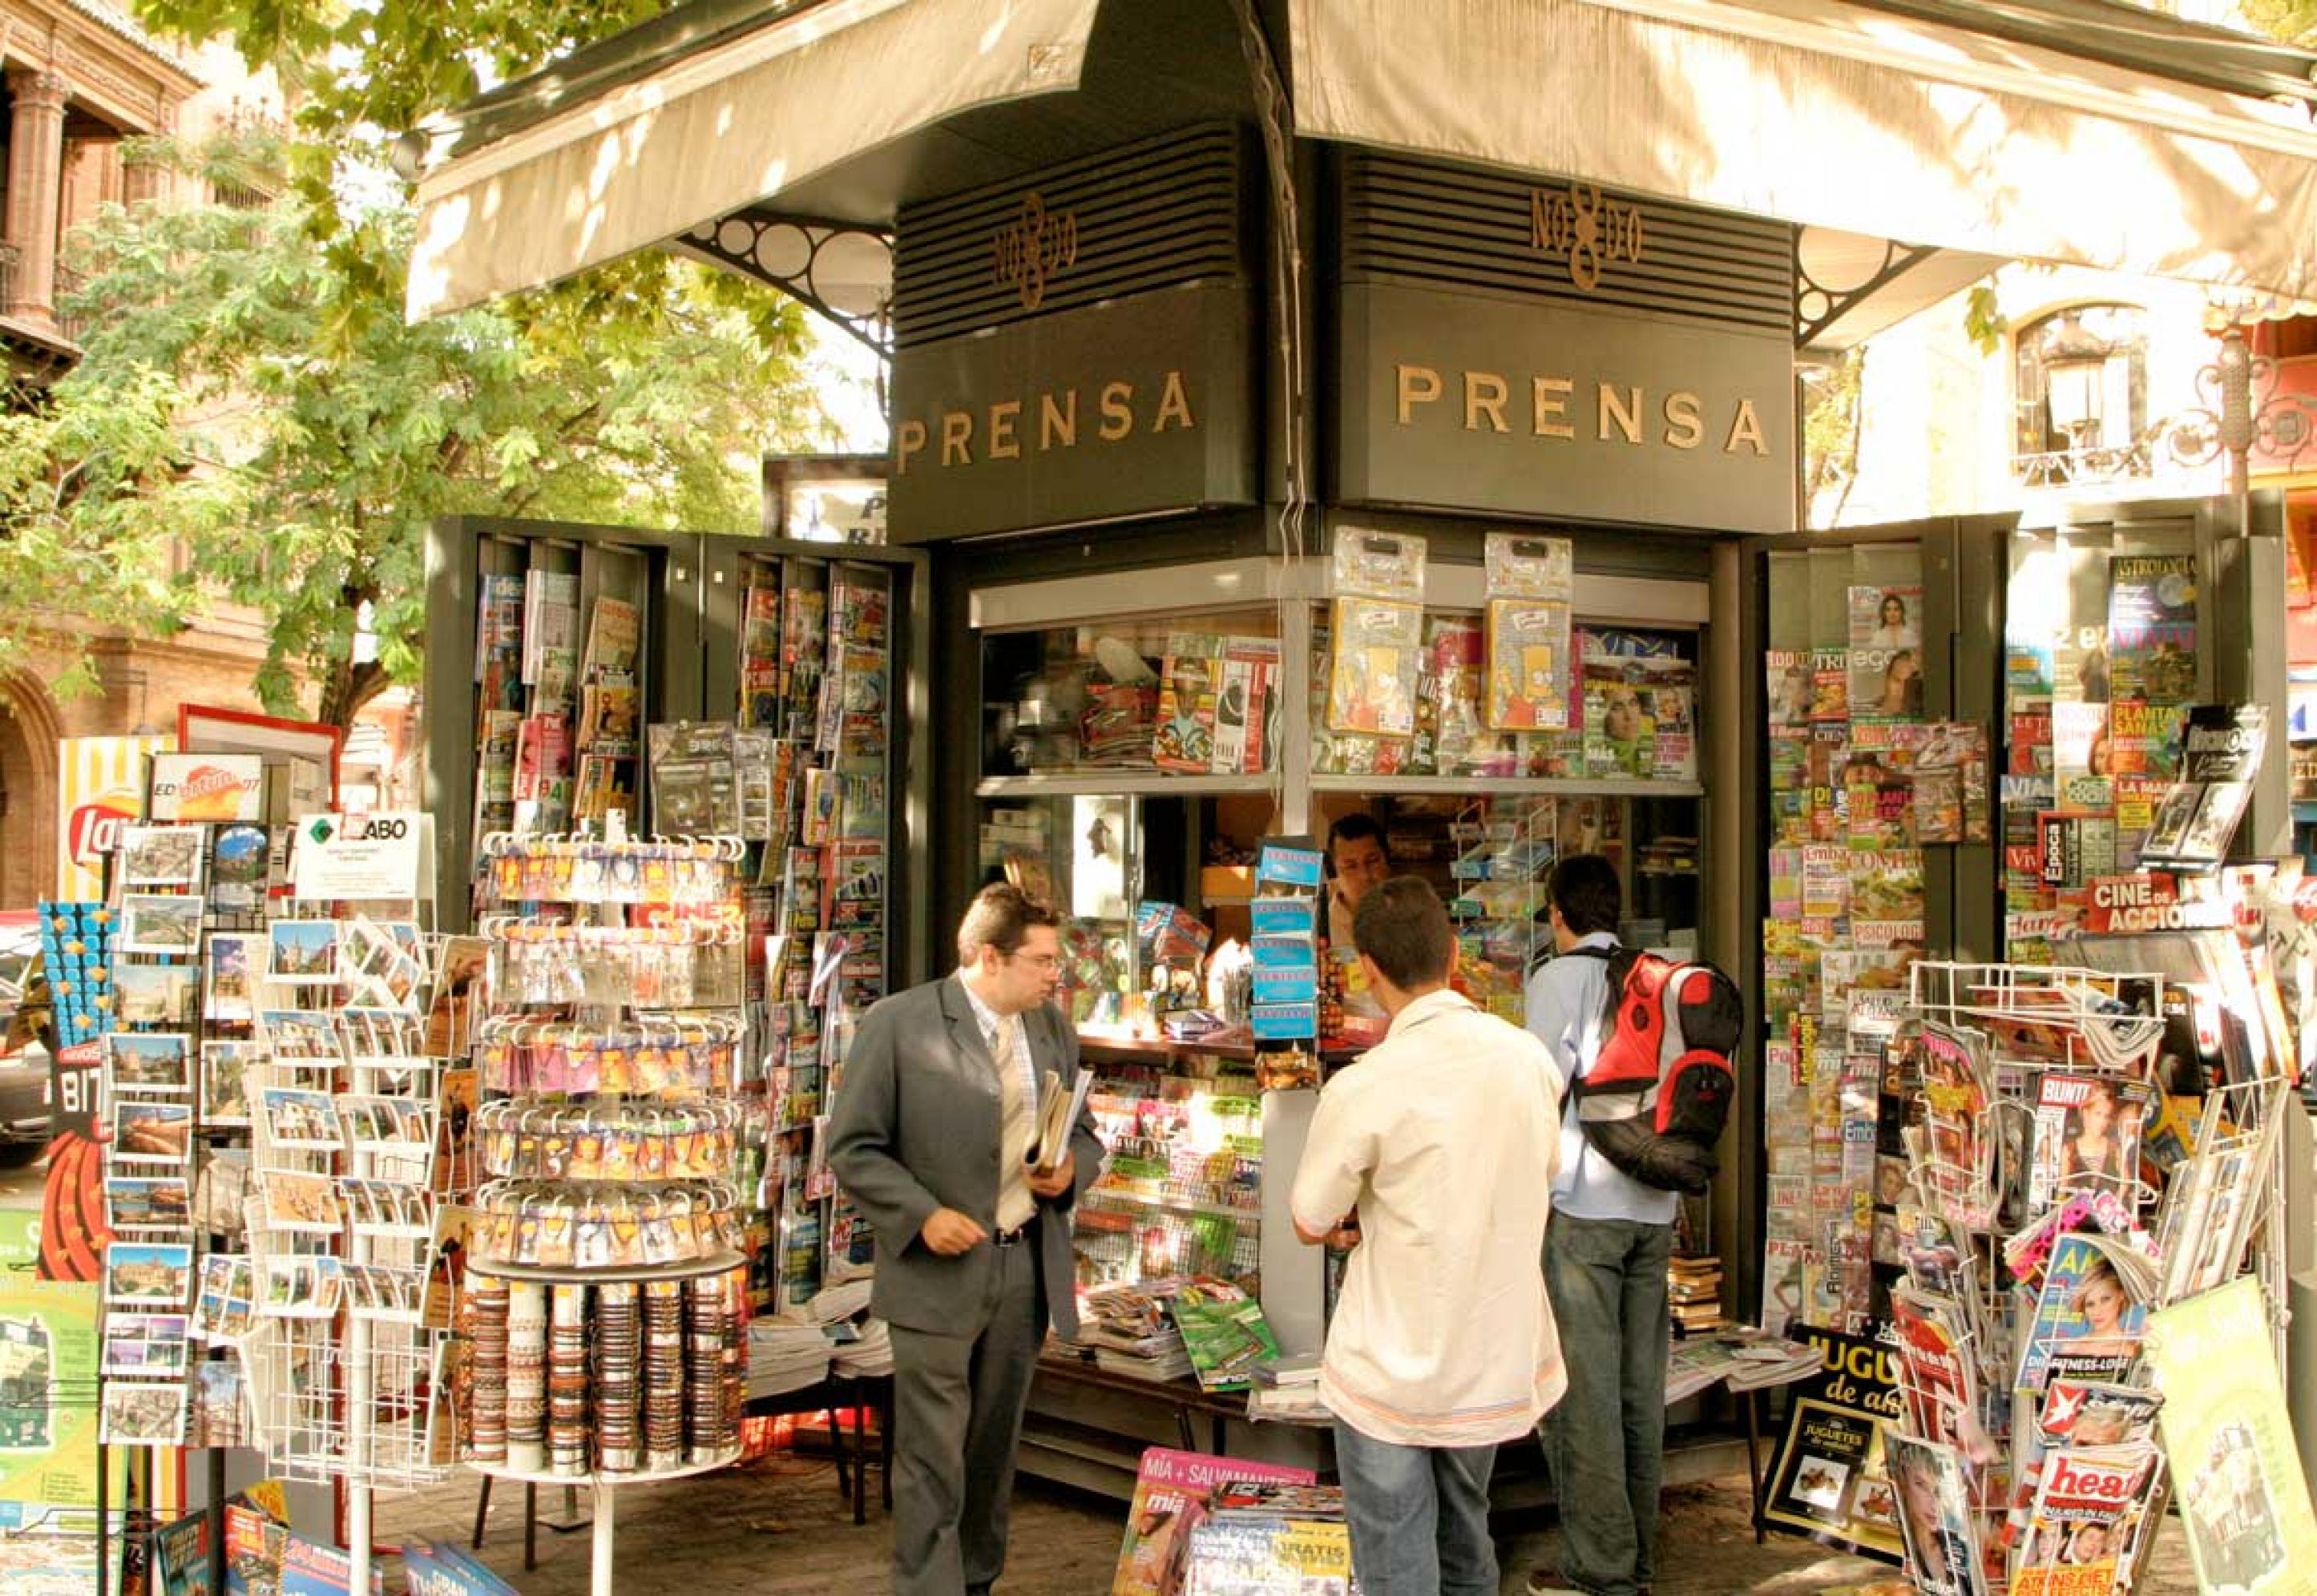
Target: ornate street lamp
x=2075 y=381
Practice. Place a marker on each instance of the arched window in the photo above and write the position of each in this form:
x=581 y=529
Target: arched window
x=2083 y=394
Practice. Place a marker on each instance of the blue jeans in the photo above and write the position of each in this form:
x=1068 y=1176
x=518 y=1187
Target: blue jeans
x=1604 y=1440
x=1419 y=1516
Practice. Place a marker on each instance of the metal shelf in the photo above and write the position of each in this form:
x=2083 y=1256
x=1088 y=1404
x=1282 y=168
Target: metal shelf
x=1124 y=783
x=1516 y=785
x=1250 y=1214
x=567 y=1275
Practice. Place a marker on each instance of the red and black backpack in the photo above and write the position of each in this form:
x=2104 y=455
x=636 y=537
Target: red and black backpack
x=1658 y=1093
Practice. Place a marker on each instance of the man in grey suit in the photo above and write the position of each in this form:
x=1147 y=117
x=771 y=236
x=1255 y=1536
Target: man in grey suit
x=932 y=1137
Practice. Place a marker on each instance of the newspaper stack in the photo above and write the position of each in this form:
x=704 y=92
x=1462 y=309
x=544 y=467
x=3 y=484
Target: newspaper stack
x=1743 y=1358
x=785 y=1357
x=868 y=1355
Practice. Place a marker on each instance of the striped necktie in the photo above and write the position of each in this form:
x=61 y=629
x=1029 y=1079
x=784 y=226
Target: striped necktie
x=1016 y=1121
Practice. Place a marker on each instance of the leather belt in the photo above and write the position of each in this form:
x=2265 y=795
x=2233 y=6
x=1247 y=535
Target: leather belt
x=1020 y=1233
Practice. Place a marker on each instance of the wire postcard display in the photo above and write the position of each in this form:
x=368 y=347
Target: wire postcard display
x=279 y=1143
x=2087 y=1147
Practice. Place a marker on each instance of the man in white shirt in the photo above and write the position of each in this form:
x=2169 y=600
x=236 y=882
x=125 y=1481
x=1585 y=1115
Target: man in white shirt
x=1433 y=1157
x=1604 y=1265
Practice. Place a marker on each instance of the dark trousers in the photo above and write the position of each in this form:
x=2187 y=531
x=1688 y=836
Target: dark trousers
x=1604 y=1440
x=958 y=1399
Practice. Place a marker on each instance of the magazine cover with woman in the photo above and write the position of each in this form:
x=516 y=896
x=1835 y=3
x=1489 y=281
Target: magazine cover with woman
x=2087 y=1137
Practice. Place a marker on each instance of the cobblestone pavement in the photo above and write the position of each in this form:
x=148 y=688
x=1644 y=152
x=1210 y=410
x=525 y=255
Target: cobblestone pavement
x=780 y=1528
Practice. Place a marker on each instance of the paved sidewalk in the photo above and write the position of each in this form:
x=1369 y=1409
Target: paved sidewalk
x=780 y=1528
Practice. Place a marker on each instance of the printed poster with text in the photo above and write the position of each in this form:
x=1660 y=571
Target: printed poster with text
x=2236 y=1472
x=1830 y=1481
x=48 y=1416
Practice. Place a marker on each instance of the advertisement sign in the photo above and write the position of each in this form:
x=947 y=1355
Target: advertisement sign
x=48 y=1378
x=1830 y=1480
x=388 y=855
x=100 y=788
x=2236 y=1472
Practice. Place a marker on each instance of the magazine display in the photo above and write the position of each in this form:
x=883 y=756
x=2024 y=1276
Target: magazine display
x=1174 y=1493
x=2222 y=745
x=2083 y=1153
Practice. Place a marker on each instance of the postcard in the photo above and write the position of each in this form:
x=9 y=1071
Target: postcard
x=151 y=1131
x=144 y=1345
x=149 y=1274
x=148 y=1061
x=136 y=1414
x=303 y=1036
x=160 y=922
x=299 y=1201
x=225 y=1070
x=298 y=1118
x=300 y=1286
x=228 y=1291
x=142 y=1203
x=303 y=951
x=161 y=856
x=152 y=994
x=226 y=972
x=240 y=862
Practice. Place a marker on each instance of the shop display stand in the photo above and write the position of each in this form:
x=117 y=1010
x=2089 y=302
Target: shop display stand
x=2105 y=1025
x=176 y=861
x=353 y=1399
x=590 y=1152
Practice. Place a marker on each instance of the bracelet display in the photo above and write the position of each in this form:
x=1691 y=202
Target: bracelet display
x=614 y=1377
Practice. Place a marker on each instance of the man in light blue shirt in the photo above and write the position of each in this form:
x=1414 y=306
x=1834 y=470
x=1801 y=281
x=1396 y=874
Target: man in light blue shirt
x=1606 y=1251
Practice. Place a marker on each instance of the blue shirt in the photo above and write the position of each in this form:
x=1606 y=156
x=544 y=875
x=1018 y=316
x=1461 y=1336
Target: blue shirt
x=1566 y=996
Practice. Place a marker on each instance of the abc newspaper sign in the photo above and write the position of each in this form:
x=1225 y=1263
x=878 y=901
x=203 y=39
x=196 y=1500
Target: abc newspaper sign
x=100 y=790
x=388 y=855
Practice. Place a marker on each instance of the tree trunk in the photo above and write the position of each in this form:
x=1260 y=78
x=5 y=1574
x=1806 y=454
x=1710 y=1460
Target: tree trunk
x=346 y=688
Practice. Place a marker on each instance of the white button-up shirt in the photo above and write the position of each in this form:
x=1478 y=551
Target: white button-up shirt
x=1445 y=1137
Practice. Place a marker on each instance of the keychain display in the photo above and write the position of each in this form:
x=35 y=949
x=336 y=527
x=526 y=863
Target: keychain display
x=677 y=871
x=539 y=1225
x=679 y=964
x=649 y=1058
x=613 y=1143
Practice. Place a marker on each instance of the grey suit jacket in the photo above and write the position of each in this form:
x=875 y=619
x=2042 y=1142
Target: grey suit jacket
x=916 y=1127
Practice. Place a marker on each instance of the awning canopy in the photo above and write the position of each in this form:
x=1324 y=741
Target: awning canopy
x=1874 y=120
x=1832 y=115
x=734 y=122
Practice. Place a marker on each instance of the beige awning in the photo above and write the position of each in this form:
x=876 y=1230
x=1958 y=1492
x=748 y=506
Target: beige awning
x=1832 y=115
x=726 y=127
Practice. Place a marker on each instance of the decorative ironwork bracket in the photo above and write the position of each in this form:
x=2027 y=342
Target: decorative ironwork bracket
x=1818 y=308
x=787 y=253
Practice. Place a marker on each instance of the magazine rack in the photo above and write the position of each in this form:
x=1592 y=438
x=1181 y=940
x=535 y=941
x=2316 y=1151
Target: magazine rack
x=2218 y=1197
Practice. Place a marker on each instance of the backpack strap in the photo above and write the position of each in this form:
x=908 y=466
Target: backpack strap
x=1604 y=954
